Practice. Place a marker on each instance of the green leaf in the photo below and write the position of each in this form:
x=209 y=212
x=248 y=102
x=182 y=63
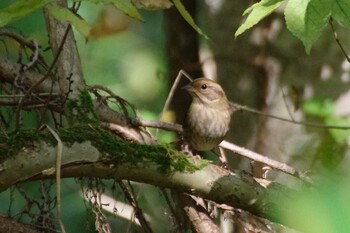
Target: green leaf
x=323 y=209
x=330 y=150
x=20 y=9
x=181 y=8
x=341 y=11
x=124 y=5
x=340 y=136
x=306 y=19
x=322 y=108
x=65 y=14
x=258 y=11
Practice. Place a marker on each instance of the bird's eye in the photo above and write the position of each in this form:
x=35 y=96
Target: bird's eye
x=204 y=86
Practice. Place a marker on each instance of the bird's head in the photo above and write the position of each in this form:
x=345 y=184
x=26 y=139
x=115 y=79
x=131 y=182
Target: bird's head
x=207 y=92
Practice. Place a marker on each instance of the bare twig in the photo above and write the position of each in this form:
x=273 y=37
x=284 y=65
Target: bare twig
x=264 y=159
x=286 y=105
x=172 y=90
x=30 y=90
x=131 y=134
x=18 y=80
x=239 y=150
x=122 y=103
x=176 y=217
x=58 y=176
x=306 y=124
x=160 y=125
x=28 y=103
x=21 y=95
x=138 y=211
x=338 y=41
x=35 y=56
x=41 y=102
x=23 y=41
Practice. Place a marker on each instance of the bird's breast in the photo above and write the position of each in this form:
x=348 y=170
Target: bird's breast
x=205 y=126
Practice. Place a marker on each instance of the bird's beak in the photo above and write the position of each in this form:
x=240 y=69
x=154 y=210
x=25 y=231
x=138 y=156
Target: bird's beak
x=188 y=88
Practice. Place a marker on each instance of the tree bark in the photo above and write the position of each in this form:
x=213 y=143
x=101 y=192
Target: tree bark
x=85 y=160
x=70 y=74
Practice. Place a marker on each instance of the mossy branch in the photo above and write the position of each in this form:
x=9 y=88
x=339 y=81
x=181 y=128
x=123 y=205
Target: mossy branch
x=92 y=152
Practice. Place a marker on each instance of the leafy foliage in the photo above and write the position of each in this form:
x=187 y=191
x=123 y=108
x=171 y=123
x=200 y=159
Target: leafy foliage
x=64 y=14
x=20 y=9
x=124 y=5
x=23 y=8
x=180 y=7
x=324 y=109
x=341 y=12
x=257 y=12
x=306 y=19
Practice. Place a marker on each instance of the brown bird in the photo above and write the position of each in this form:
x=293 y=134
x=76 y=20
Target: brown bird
x=208 y=118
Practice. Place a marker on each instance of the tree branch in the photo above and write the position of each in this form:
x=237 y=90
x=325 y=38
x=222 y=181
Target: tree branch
x=8 y=71
x=9 y=225
x=70 y=73
x=85 y=160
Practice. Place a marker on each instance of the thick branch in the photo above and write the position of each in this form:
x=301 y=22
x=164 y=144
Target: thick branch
x=9 y=70
x=84 y=160
x=69 y=66
x=9 y=225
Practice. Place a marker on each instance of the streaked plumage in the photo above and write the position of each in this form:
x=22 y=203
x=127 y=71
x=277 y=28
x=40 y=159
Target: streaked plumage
x=208 y=117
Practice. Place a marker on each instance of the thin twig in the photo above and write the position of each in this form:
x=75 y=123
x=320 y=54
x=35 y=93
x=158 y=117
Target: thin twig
x=264 y=159
x=122 y=103
x=23 y=41
x=239 y=150
x=130 y=134
x=176 y=217
x=306 y=124
x=160 y=125
x=32 y=61
x=22 y=95
x=58 y=176
x=138 y=211
x=30 y=90
x=338 y=41
x=285 y=104
x=35 y=56
x=172 y=90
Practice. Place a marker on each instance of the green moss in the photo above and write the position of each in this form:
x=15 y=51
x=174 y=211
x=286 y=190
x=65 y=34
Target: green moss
x=85 y=126
x=81 y=110
x=10 y=146
x=116 y=150
x=125 y=152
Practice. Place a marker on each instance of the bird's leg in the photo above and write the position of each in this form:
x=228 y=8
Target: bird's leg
x=185 y=148
x=222 y=158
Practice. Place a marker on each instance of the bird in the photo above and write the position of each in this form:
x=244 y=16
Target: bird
x=208 y=118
